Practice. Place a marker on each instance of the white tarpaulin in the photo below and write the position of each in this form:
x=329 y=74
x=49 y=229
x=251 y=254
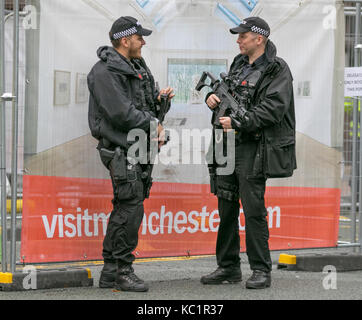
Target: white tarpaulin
x=309 y=35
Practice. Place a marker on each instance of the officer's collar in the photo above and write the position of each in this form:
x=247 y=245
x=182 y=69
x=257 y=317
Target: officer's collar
x=257 y=62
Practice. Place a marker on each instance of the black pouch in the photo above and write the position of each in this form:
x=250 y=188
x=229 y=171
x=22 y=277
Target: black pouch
x=118 y=167
x=127 y=190
x=279 y=159
x=132 y=187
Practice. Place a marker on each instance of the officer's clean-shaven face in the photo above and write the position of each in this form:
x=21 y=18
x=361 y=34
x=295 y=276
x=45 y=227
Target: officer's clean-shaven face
x=248 y=43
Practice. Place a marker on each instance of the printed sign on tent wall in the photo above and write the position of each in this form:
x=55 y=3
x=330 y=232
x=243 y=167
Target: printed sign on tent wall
x=353 y=82
x=61 y=87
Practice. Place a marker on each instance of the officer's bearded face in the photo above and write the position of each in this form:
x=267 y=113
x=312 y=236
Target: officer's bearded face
x=136 y=42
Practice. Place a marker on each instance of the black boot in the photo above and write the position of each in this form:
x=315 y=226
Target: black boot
x=108 y=275
x=259 y=280
x=231 y=275
x=126 y=280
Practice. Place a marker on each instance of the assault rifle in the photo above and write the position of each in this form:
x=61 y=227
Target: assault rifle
x=163 y=108
x=161 y=111
x=233 y=103
x=234 y=100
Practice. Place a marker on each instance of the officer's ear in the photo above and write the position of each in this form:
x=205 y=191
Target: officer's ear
x=262 y=40
x=125 y=42
x=259 y=39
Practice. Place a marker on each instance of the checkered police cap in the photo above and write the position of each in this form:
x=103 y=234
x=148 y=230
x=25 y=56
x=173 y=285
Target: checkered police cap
x=127 y=26
x=253 y=24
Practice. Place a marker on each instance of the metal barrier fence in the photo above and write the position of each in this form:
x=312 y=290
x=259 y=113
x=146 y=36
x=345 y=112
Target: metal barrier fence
x=299 y=194
x=352 y=142
x=13 y=97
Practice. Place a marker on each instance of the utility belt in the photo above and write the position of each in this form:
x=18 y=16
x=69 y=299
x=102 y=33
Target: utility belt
x=125 y=170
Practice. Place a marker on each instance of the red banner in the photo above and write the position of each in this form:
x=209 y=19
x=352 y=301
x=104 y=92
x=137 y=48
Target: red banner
x=65 y=219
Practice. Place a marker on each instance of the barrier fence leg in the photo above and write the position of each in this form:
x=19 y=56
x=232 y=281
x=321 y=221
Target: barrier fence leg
x=2 y=138
x=15 y=115
x=360 y=189
x=357 y=63
x=354 y=172
x=355 y=154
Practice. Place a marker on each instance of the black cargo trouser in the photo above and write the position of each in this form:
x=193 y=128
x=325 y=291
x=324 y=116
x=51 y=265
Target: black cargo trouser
x=121 y=237
x=251 y=192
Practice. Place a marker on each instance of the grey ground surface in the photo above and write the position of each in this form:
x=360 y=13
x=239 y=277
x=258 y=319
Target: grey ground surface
x=179 y=279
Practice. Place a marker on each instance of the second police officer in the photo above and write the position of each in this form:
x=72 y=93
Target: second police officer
x=264 y=148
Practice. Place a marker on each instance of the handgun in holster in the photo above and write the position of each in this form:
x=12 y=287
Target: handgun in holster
x=117 y=164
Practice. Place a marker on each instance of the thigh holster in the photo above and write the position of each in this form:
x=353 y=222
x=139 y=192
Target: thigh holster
x=227 y=191
x=126 y=176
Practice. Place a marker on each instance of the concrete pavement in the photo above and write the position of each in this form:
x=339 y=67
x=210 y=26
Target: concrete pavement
x=179 y=279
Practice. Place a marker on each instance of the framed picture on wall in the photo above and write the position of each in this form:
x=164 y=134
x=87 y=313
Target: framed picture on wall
x=61 y=88
x=81 y=89
x=183 y=75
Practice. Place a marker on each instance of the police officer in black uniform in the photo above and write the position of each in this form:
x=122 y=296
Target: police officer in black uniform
x=123 y=96
x=264 y=148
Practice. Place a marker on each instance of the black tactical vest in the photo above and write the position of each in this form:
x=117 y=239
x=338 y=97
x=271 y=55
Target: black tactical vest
x=247 y=76
x=146 y=92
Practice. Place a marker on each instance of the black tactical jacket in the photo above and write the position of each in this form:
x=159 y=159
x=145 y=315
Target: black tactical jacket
x=272 y=114
x=117 y=98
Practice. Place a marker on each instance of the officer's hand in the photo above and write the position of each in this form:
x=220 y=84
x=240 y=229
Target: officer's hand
x=213 y=101
x=168 y=91
x=160 y=135
x=226 y=123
